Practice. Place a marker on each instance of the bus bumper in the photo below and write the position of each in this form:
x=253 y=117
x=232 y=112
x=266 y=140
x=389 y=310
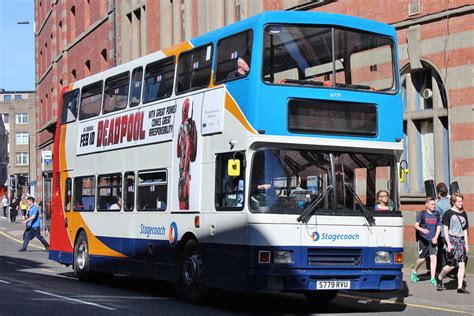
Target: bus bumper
x=306 y=280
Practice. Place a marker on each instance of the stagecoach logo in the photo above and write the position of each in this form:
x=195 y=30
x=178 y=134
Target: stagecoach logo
x=173 y=234
x=315 y=236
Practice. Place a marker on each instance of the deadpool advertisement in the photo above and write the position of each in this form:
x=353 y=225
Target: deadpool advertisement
x=187 y=146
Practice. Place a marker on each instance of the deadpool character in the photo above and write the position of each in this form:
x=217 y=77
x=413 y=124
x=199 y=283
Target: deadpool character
x=186 y=152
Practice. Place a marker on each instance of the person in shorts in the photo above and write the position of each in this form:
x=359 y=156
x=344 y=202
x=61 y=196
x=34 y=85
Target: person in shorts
x=428 y=229
x=455 y=225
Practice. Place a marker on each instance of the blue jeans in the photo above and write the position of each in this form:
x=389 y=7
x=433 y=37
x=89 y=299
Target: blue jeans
x=31 y=233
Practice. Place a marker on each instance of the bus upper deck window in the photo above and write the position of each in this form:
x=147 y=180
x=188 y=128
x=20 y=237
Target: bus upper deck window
x=159 y=78
x=194 y=69
x=136 y=86
x=116 y=92
x=69 y=106
x=234 y=57
x=91 y=100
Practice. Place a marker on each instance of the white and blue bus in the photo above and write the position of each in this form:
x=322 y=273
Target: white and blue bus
x=249 y=158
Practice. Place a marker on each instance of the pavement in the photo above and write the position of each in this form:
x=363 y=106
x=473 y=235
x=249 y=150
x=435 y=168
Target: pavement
x=420 y=296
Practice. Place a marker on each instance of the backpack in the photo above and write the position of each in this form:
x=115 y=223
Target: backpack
x=422 y=223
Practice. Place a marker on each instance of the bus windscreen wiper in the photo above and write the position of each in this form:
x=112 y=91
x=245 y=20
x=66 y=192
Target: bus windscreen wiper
x=304 y=82
x=363 y=208
x=309 y=211
x=353 y=86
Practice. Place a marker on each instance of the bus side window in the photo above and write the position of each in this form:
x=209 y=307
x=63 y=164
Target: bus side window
x=91 y=100
x=129 y=189
x=194 y=69
x=109 y=191
x=234 y=57
x=230 y=191
x=116 y=92
x=152 y=191
x=69 y=106
x=68 y=195
x=159 y=79
x=84 y=194
x=136 y=86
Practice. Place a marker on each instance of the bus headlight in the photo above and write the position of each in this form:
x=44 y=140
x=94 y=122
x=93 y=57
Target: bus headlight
x=382 y=257
x=282 y=256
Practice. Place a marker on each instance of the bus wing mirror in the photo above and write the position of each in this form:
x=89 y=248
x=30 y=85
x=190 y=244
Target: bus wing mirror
x=233 y=167
x=403 y=170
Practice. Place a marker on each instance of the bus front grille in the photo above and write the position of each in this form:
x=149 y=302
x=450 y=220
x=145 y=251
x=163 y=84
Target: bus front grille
x=334 y=257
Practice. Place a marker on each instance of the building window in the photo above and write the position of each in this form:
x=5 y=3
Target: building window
x=22 y=138
x=6 y=118
x=21 y=118
x=22 y=159
x=7 y=98
x=17 y=96
x=425 y=128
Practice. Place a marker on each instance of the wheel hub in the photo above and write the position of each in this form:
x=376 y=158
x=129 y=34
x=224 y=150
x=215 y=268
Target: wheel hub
x=191 y=270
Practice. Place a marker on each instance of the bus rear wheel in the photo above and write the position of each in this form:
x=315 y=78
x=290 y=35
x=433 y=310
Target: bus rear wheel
x=192 y=273
x=81 y=258
x=320 y=297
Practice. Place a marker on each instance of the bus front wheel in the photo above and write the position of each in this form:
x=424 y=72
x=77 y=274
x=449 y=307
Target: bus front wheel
x=321 y=297
x=192 y=273
x=81 y=258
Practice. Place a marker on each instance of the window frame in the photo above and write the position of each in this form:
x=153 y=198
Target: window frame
x=20 y=117
x=98 y=187
x=184 y=54
x=68 y=184
x=114 y=79
x=223 y=157
x=88 y=116
x=160 y=63
x=21 y=156
x=64 y=120
x=22 y=135
x=217 y=57
x=125 y=188
x=165 y=171
x=140 y=97
x=93 y=189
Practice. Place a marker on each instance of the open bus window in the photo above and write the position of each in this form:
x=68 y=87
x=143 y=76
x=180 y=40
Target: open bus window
x=136 y=86
x=68 y=195
x=109 y=191
x=152 y=191
x=129 y=191
x=116 y=93
x=234 y=57
x=308 y=56
x=84 y=193
x=69 y=106
x=230 y=191
x=90 y=100
x=159 y=78
x=194 y=70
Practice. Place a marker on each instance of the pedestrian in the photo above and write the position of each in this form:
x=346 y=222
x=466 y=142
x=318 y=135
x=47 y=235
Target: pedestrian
x=14 y=210
x=33 y=224
x=5 y=205
x=442 y=205
x=455 y=225
x=24 y=207
x=428 y=228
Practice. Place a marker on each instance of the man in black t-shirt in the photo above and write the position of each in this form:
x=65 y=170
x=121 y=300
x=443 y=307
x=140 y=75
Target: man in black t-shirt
x=456 y=225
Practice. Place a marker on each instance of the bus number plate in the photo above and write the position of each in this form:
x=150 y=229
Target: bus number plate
x=333 y=285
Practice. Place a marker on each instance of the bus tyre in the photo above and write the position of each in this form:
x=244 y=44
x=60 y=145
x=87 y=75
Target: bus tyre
x=320 y=297
x=192 y=273
x=81 y=258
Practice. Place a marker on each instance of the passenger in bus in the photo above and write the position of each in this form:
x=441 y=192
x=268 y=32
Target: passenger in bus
x=383 y=201
x=160 y=204
x=241 y=70
x=117 y=203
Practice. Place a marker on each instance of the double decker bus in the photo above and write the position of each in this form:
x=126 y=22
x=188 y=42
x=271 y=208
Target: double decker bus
x=249 y=158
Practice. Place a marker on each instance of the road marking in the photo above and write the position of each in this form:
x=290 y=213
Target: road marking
x=19 y=241
x=46 y=270
x=9 y=262
x=6 y=282
x=76 y=300
x=407 y=304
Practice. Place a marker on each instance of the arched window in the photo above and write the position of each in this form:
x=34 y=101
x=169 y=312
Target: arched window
x=425 y=121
